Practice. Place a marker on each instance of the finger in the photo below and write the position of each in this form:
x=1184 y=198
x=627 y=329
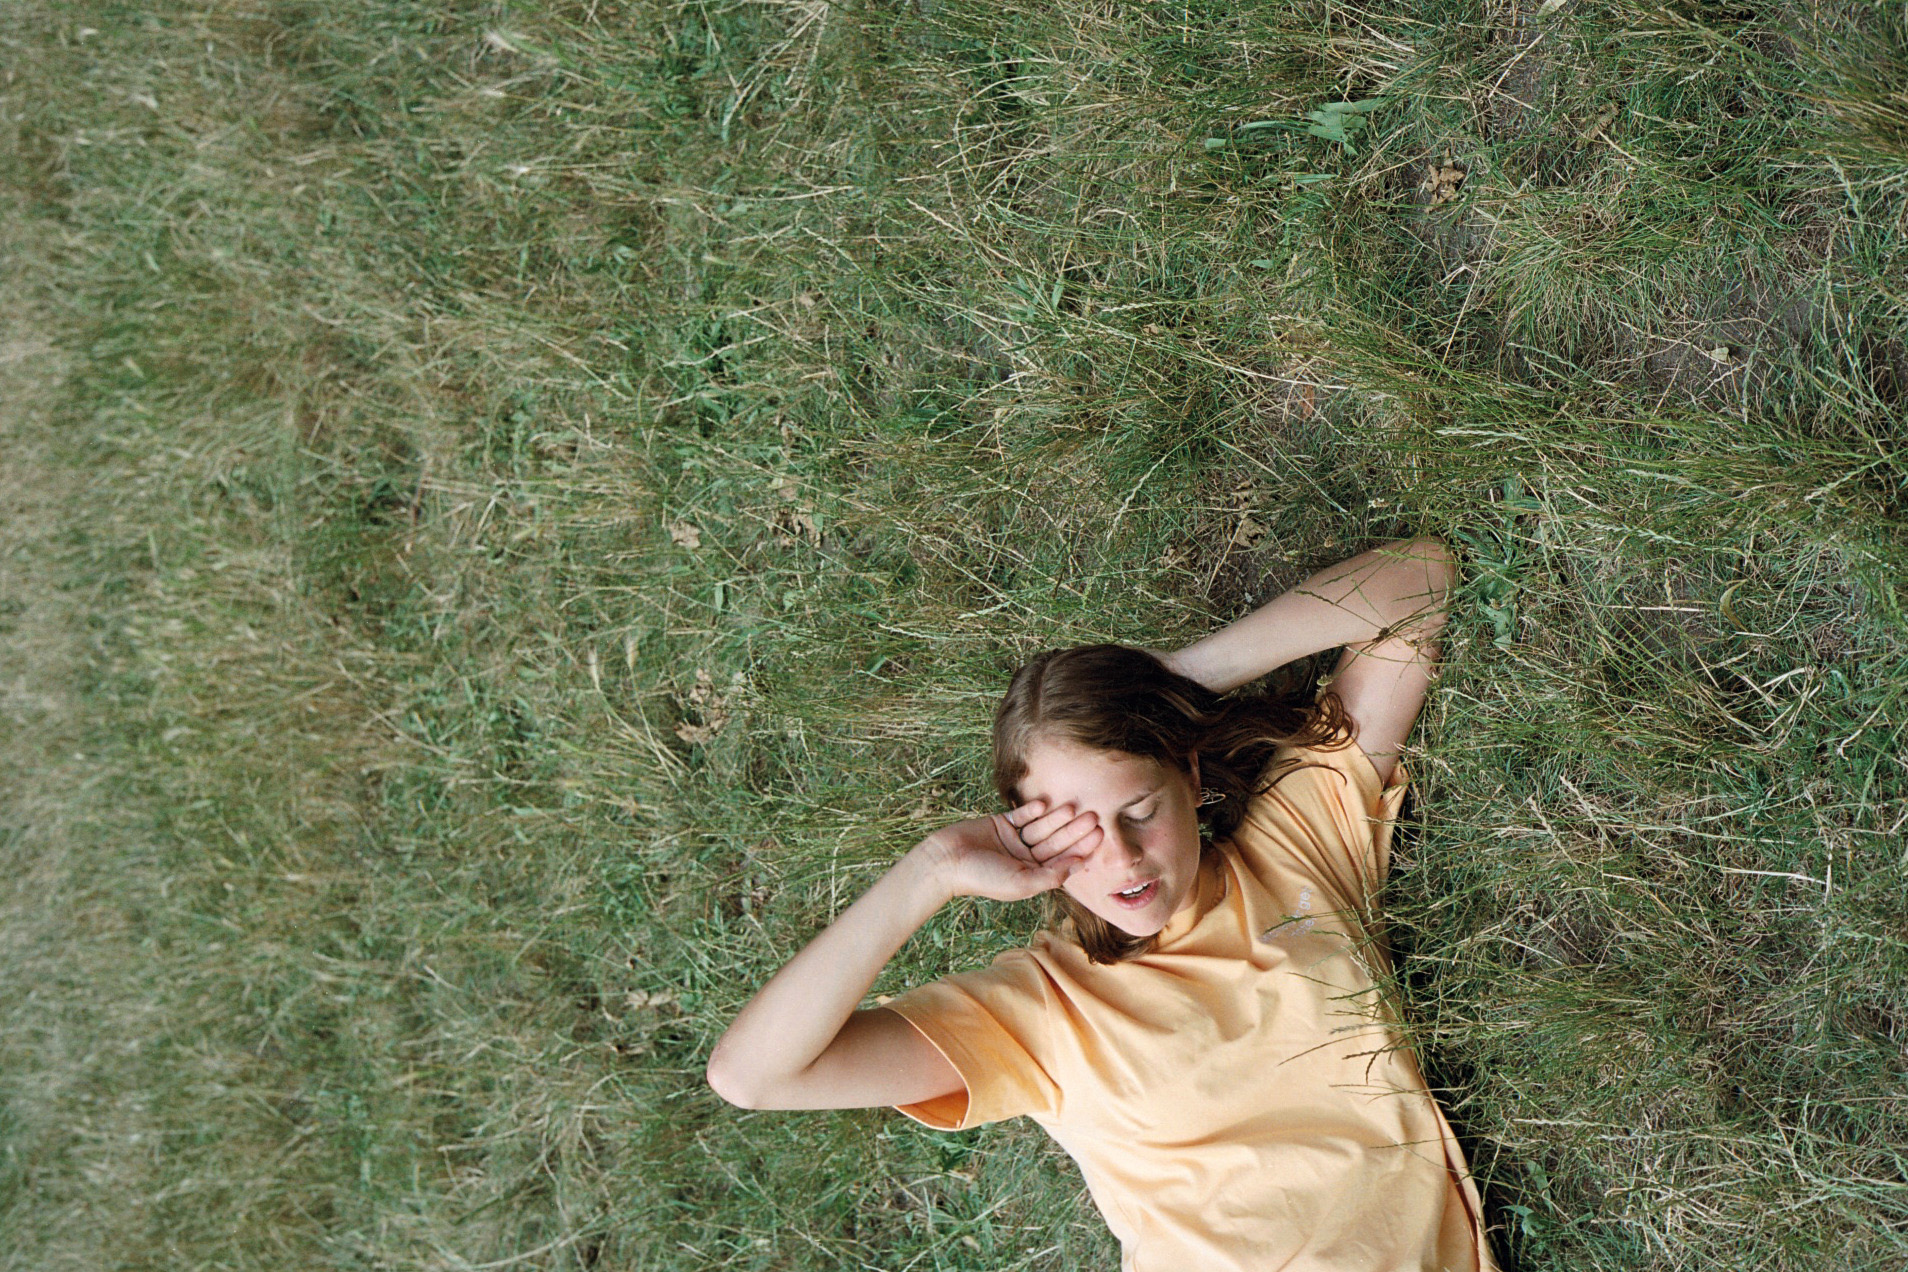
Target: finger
x=1077 y=856
x=1046 y=824
x=1087 y=844
x=1020 y=816
x=1069 y=838
x=1010 y=829
x=1008 y=837
x=1061 y=868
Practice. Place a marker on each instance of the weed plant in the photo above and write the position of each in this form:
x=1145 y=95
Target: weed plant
x=518 y=512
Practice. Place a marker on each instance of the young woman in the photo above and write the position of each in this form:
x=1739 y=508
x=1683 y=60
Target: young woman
x=1205 y=1030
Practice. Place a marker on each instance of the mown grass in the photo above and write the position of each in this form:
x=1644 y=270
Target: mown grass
x=519 y=511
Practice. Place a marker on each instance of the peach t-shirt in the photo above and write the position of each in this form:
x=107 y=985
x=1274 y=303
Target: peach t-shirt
x=1234 y=1098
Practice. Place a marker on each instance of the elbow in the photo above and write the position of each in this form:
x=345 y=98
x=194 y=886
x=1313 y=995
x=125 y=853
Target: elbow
x=1442 y=564
x=1440 y=567
x=725 y=1085
x=1436 y=555
x=737 y=1084
x=726 y=1082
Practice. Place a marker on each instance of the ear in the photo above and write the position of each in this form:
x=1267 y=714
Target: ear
x=1193 y=759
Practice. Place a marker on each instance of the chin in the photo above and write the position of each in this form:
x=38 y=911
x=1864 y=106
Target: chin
x=1136 y=927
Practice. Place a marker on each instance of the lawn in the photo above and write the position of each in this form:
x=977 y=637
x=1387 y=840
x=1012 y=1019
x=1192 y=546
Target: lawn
x=516 y=512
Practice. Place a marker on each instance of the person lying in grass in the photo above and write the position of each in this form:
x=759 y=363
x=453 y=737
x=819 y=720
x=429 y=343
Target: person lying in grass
x=1205 y=1028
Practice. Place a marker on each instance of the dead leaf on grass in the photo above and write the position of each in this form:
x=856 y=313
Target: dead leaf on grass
x=798 y=523
x=1604 y=119
x=1442 y=182
x=930 y=806
x=1248 y=533
x=684 y=534
x=703 y=700
x=704 y=696
x=638 y=999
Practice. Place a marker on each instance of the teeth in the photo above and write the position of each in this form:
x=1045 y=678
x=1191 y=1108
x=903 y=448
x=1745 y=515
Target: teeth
x=1134 y=891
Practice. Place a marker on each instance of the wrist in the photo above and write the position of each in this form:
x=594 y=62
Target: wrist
x=922 y=876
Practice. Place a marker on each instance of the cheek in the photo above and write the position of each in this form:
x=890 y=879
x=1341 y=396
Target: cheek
x=1083 y=888
x=1176 y=839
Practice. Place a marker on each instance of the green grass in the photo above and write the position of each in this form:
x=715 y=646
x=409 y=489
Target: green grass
x=516 y=513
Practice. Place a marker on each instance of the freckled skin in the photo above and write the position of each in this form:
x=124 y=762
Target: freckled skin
x=1147 y=815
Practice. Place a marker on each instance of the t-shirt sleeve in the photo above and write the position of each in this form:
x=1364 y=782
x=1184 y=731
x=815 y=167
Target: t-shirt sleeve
x=994 y=1027
x=1328 y=817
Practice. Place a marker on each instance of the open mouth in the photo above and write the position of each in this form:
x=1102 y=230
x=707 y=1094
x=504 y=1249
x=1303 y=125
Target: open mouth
x=1137 y=895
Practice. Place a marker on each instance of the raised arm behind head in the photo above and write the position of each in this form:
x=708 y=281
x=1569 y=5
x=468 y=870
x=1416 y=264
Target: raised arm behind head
x=1386 y=607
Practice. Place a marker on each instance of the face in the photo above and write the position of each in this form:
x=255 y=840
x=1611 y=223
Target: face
x=1149 y=830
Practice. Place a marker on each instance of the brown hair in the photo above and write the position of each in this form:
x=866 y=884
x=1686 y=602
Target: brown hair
x=1115 y=698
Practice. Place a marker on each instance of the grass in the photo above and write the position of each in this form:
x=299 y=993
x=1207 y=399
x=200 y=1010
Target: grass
x=517 y=512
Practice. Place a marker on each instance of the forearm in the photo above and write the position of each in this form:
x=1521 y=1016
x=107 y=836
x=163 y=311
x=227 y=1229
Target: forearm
x=1388 y=591
x=793 y=1018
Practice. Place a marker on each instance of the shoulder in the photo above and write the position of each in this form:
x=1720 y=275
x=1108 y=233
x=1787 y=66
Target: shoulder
x=1325 y=813
x=1337 y=783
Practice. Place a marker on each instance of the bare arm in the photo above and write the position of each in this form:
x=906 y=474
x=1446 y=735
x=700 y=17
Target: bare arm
x=1386 y=606
x=800 y=1043
x=778 y=1052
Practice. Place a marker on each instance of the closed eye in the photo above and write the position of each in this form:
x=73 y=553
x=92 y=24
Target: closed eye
x=1138 y=820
